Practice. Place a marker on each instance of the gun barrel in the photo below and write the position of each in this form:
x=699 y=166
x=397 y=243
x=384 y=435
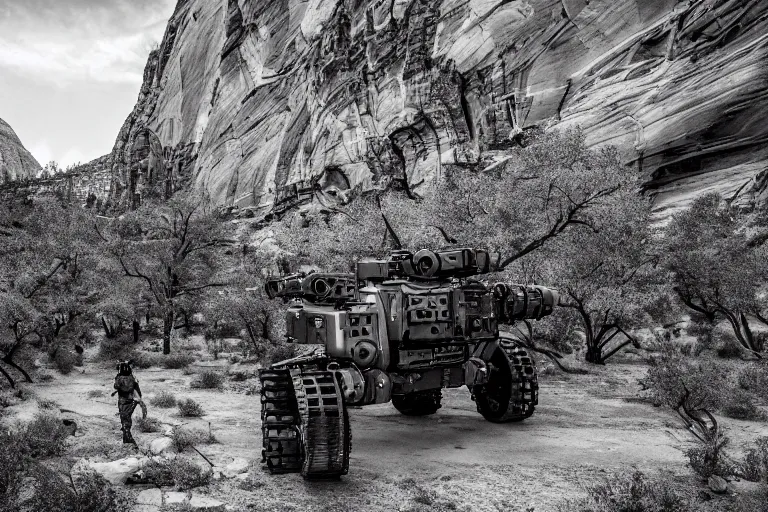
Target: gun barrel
x=517 y=302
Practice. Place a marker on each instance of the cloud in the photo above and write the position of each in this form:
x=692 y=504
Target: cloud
x=89 y=40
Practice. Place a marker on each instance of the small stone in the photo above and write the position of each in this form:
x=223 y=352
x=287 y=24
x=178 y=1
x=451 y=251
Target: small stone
x=243 y=476
x=206 y=503
x=234 y=468
x=717 y=484
x=150 y=497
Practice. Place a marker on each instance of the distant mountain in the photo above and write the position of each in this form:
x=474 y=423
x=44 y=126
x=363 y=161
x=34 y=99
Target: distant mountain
x=259 y=102
x=15 y=161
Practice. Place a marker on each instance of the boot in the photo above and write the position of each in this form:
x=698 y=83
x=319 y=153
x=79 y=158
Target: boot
x=127 y=437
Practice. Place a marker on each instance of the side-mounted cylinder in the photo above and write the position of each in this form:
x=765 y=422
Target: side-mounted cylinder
x=515 y=302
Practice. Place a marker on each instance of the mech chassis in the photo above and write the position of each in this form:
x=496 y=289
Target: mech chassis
x=398 y=330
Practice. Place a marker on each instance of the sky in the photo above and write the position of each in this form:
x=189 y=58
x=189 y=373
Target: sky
x=71 y=70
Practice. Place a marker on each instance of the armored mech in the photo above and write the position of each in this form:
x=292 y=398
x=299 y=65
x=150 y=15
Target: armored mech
x=399 y=329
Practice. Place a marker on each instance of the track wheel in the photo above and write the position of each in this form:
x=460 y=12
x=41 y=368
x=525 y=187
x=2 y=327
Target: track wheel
x=279 y=422
x=511 y=393
x=418 y=403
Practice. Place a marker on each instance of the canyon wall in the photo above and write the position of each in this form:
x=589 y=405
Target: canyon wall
x=266 y=104
x=16 y=163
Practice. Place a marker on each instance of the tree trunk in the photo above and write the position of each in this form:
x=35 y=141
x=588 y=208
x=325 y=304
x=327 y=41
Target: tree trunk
x=8 y=377
x=136 y=327
x=9 y=360
x=593 y=352
x=167 y=329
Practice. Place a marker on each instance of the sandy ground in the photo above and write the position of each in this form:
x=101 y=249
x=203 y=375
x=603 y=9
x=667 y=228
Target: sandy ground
x=585 y=427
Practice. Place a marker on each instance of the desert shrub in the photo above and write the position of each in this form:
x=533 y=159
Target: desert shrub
x=44 y=377
x=183 y=438
x=145 y=360
x=708 y=457
x=11 y=465
x=730 y=349
x=148 y=424
x=120 y=348
x=208 y=379
x=44 y=403
x=188 y=475
x=158 y=471
x=755 y=465
x=279 y=352
x=164 y=399
x=754 y=378
x=176 y=361
x=8 y=398
x=739 y=405
x=45 y=435
x=630 y=492
x=95 y=393
x=189 y=408
x=671 y=373
x=94 y=493
x=64 y=360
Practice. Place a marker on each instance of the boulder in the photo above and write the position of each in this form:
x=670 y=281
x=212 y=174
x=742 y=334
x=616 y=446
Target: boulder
x=161 y=445
x=717 y=484
x=234 y=468
x=118 y=471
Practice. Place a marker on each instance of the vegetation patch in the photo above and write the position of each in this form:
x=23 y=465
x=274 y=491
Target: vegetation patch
x=164 y=399
x=188 y=408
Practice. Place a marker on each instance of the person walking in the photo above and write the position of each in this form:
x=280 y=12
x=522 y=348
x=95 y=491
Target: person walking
x=128 y=397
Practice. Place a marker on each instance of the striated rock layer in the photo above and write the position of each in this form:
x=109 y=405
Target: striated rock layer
x=16 y=162
x=266 y=103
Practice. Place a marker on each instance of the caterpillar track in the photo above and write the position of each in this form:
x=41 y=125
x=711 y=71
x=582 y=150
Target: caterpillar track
x=513 y=393
x=305 y=423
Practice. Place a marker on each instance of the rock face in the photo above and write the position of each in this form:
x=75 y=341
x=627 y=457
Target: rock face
x=15 y=161
x=268 y=103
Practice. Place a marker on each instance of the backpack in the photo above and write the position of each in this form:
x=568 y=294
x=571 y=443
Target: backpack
x=124 y=383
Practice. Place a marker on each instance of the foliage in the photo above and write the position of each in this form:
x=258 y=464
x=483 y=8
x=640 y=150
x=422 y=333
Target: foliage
x=629 y=492
x=44 y=436
x=11 y=465
x=188 y=408
x=188 y=475
x=164 y=399
x=556 y=183
x=50 y=263
x=708 y=458
x=718 y=270
x=172 y=249
x=158 y=471
x=208 y=379
x=280 y=352
x=755 y=464
x=148 y=424
x=754 y=378
x=176 y=361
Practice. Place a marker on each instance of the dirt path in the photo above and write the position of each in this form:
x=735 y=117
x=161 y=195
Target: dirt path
x=586 y=426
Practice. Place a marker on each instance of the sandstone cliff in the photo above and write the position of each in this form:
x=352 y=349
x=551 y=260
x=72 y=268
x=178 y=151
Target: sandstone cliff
x=15 y=161
x=266 y=103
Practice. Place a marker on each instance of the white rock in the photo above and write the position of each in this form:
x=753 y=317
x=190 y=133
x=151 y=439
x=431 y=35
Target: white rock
x=237 y=466
x=118 y=471
x=150 y=497
x=243 y=476
x=161 y=445
x=175 y=498
x=206 y=503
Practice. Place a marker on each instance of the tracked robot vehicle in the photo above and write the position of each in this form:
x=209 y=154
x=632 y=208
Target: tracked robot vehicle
x=398 y=330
